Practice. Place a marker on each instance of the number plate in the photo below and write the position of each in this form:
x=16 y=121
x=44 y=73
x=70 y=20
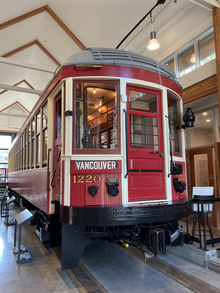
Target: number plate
x=86 y=179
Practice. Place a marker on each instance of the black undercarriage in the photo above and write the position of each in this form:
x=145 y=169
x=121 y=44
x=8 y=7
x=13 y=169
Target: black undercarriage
x=149 y=228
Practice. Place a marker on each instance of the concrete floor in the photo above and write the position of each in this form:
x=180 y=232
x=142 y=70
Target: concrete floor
x=112 y=266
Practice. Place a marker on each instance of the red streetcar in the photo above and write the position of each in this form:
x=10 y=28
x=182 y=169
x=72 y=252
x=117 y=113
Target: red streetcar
x=103 y=152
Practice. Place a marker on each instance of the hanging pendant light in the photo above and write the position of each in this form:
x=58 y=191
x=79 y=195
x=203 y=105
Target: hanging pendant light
x=153 y=44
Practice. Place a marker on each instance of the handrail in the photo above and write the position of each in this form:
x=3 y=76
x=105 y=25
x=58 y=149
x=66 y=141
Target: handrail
x=126 y=136
x=48 y=167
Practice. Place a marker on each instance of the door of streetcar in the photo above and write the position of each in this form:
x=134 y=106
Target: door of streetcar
x=57 y=148
x=145 y=145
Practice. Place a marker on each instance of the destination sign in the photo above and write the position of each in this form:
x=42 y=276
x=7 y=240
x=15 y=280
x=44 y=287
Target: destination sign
x=96 y=165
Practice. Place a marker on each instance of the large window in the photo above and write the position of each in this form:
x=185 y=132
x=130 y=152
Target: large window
x=5 y=142
x=186 y=60
x=206 y=47
x=96 y=116
x=175 y=124
x=200 y=51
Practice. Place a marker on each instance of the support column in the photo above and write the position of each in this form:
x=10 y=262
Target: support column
x=216 y=25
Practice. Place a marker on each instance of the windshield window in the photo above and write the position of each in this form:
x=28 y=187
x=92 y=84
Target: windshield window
x=96 y=116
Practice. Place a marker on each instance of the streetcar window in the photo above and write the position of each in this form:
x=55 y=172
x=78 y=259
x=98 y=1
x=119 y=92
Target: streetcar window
x=96 y=115
x=174 y=115
x=38 y=123
x=45 y=121
x=143 y=101
x=32 y=128
x=58 y=118
x=45 y=114
x=33 y=152
x=144 y=132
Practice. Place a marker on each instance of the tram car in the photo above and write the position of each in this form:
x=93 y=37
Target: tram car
x=102 y=152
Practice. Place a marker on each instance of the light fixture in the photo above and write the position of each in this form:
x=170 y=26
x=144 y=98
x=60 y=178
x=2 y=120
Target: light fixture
x=153 y=44
x=207 y=120
x=204 y=114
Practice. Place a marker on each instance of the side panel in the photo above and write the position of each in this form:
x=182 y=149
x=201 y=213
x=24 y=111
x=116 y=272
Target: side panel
x=32 y=185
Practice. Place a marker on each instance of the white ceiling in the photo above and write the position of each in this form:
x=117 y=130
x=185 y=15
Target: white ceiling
x=96 y=23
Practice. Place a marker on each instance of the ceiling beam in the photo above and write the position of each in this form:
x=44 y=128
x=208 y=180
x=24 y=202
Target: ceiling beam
x=202 y=5
x=18 y=84
x=20 y=89
x=52 y=14
x=65 y=28
x=47 y=53
x=25 y=65
x=22 y=17
x=13 y=115
x=200 y=89
x=28 y=46
x=15 y=104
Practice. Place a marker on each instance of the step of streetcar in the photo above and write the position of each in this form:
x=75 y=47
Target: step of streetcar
x=214 y=265
x=218 y=252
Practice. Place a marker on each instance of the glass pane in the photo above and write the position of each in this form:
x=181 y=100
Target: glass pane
x=96 y=115
x=186 y=59
x=32 y=128
x=24 y=151
x=5 y=141
x=174 y=115
x=33 y=152
x=45 y=145
x=38 y=149
x=29 y=133
x=113 y=138
x=38 y=122
x=144 y=132
x=3 y=158
x=169 y=63
x=45 y=114
x=58 y=118
x=103 y=140
x=29 y=154
x=201 y=170
x=142 y=101
x=207 y=49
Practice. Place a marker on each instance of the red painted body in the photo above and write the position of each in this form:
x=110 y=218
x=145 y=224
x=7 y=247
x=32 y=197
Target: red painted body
x=182 y=177
x=82 y=179
x=141 y=186
x=32 y=185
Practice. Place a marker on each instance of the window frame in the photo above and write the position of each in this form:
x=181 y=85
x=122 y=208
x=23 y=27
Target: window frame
x=98 y=151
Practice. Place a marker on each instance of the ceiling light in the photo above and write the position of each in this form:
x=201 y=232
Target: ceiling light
x=204 y=114
x=153 y=44
x=94 y=91
x=207 y=120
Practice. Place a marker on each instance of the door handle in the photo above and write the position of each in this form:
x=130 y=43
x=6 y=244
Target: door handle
x=161 y=155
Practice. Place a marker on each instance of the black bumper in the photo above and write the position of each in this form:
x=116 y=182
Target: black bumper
x=120 y=216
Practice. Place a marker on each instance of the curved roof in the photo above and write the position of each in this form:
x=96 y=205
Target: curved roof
x=107 y=56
